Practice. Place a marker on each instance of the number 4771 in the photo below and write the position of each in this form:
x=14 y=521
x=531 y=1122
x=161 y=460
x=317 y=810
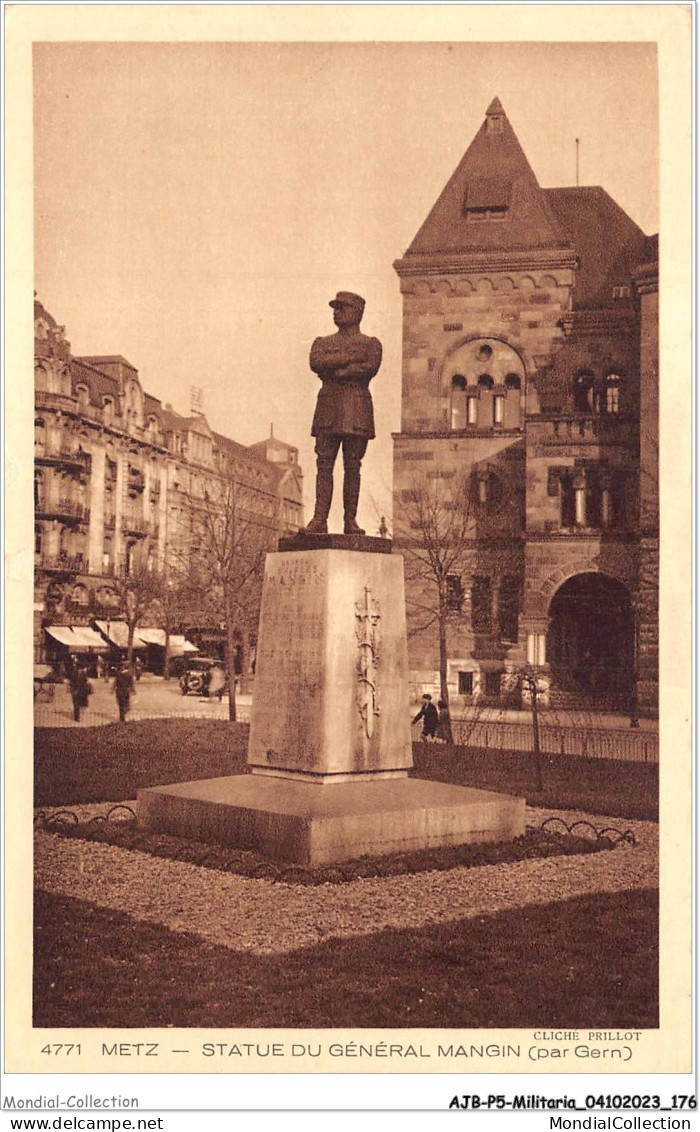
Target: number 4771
x=65 y=1048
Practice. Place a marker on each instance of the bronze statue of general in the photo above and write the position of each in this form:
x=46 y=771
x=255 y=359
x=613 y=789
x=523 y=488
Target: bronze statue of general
x=346 y=362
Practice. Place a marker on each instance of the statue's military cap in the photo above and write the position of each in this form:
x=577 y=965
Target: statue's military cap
x=347 y=298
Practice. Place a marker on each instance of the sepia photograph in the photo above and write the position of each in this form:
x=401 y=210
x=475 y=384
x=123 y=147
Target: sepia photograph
x=345 y=619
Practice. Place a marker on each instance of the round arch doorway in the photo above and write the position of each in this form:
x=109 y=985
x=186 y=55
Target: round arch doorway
x=590 y=639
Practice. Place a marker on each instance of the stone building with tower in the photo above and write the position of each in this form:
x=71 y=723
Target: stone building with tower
x=116 y=476
x=530 y=376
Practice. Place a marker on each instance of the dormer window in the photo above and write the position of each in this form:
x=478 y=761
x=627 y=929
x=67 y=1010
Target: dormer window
x=487 y=198
x=83 y=394
x=495 y=213
x=107 y=410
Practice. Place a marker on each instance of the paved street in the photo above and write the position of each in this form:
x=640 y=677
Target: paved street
x=156 y=697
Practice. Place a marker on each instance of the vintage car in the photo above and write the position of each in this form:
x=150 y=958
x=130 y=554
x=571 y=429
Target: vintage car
x=197 y=675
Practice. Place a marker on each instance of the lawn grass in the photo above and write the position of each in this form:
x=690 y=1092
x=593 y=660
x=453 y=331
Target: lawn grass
x=74 y=765
x=599 y=786
x=533 y=843
x=110 y=763
x=587 y=962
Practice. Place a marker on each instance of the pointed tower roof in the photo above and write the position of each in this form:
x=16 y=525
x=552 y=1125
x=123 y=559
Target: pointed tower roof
x=492 y=202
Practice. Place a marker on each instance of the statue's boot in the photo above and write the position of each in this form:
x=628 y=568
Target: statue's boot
x=324 y=496
x=351 y=495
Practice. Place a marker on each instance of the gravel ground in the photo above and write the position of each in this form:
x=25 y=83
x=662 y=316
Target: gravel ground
x=265 y=918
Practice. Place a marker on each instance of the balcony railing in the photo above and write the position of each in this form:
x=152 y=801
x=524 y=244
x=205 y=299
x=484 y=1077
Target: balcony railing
x=107 y=612
x=580 y=428
x=135 y=524
x=63 y=455
x=64 y=509
x=60 y=400
x=78 y=610
x=62 y=563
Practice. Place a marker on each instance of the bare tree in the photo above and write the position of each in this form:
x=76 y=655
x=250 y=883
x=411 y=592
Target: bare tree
x=229 y=544
x=174 y=602
x=446 y=532
x=138 y=591
x=435 y=534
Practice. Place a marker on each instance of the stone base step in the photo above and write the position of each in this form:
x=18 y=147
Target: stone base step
x=311 y=824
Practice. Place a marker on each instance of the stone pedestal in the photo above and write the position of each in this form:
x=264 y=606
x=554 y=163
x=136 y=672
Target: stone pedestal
x=331 y=693
x=330 y=744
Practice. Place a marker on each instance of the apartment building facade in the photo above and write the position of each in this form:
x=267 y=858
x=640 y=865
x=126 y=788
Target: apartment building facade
x=117 y=475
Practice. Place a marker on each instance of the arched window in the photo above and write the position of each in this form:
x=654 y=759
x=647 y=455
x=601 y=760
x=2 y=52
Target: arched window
x=612 y=393
x=41 y=377
x=480 y=366
x=458 y=402
x=583 y=392
x=567 y=501
x=40 y=435
x=83 y=394
x=130 y=557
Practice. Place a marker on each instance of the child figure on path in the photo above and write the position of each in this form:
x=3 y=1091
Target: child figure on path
x=124 y=688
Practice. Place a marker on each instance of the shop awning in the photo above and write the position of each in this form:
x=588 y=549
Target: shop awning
x=178 y=645
x=151 y=636
x=61 y=633
x=88 y=639
x=117 y=632
x=77 y=638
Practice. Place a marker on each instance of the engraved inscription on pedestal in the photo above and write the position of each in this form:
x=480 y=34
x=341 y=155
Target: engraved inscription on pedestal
x=290 y=654
x=367 y=613
x=331 y=698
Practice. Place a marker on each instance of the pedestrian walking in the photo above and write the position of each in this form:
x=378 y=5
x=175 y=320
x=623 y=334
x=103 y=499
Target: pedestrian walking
x=124 y=689
x=429 y=714
x=443 y=731
x=79 y=689
x=217 y=682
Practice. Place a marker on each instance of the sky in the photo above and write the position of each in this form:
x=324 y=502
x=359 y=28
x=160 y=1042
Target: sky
x=197 y=205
